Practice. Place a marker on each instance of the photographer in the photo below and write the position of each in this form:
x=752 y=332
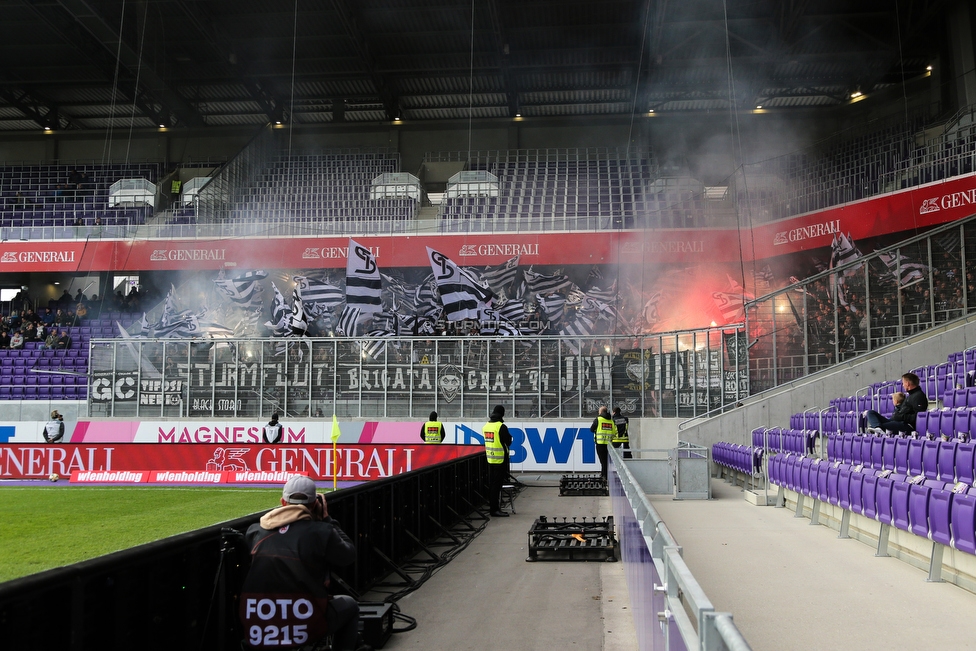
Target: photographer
x=285 y=601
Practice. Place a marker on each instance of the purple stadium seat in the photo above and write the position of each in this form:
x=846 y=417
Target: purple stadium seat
x=846 y=455
x=900 y=493
x=858 y=453
x=965 y=457
x=949 y=399
x=833 y=481
x=833 y=441
x=772 y=469
x=918 y=510
x=914 y=457
x=947 y=461
x=970 y=397
x=807 y=486
x=888 y=453
x=934 y=427
x=826 y=484
x=922 y=421
x=868 y=496
x=856 y=491
x=877 y=444
x=844 y=487
x=960 y=422
x=939 y=508
x=930 y=459
x=882 y=496
x=901 y=455
x=947 y=422
x=792 y=472
x=963 y=523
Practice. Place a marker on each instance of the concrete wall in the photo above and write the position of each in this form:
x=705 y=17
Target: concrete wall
x=774 y=407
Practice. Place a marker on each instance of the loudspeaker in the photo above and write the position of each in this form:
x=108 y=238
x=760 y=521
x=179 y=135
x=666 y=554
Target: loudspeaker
x=375 y=623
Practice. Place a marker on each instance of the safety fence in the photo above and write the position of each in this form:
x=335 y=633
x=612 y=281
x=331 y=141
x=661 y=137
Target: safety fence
x=671 y=611
x=684 y=373
x=177 y=593
x=871 y=301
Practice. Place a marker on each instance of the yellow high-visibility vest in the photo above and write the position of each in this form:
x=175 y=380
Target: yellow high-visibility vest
x=605 y=430
x=494 y=449
x=432 y=431
x=621 y=435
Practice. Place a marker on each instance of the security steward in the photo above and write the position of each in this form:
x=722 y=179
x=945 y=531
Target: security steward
x=433 y=430
x=603 y=432
x=497 y=441
x=54 y=428
x=622 y=437
x=273 y=431
x=285 y=601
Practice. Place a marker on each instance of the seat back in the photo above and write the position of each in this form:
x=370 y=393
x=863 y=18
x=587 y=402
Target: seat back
x=900 y=493
x=947 y=461
x=830 y=481
x=939 y=508
x=843 y=487
x=962 y=522
x=965 y=458
x=856 y=488
x=901 y=455
x=877 y=445
x=930 y=459
x=914 y=457
x=868 y=491
x=918 y=510
x=888 y=453
x=847 y=445
x=858 y=446
x=882 y=496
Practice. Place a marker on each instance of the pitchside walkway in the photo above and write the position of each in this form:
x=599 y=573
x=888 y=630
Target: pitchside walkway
x=490 y=598
x=791 y=585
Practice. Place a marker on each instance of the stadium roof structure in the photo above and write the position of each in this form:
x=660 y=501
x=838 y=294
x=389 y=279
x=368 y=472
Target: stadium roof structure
x=95 y=64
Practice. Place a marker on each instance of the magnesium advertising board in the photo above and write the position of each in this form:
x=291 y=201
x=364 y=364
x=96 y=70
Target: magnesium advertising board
x=565 y=446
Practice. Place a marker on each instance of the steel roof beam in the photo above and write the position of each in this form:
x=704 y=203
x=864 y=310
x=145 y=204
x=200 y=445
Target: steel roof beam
x=348 y=18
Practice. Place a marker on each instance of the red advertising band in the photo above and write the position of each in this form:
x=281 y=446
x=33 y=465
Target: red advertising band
x=209 y=463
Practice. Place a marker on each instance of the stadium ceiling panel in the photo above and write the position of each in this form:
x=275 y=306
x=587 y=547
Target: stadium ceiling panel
x=82 y=64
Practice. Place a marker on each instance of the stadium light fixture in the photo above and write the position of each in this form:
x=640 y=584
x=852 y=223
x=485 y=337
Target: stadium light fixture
x=929 y=68
x=758 y=106
x=856 y=94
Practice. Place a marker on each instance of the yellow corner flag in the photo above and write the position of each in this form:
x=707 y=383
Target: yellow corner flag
x=335 y=461
x=335 y=429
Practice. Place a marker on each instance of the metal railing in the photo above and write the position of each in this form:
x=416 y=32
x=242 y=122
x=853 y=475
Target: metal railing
x=178 y=593
x=671 y=374
x=671 y=611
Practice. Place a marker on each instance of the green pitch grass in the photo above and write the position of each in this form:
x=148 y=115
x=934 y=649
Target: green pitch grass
x=50 y=527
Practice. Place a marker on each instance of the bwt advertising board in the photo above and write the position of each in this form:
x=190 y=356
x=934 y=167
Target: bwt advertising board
x=536 y=446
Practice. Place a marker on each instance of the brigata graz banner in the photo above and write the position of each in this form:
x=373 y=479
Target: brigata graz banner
x=352 y=462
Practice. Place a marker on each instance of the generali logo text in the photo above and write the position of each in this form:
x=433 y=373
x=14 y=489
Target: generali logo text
x=178 y=255
x=807 y=232
x=947 y=201
x=498 y=249
x=330 y=252
x=38 y=256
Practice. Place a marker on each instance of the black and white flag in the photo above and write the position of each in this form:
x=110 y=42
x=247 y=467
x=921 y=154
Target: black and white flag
x=364 y=287
x=318 y=297
x=553 y=307
x=298 y=322
x=280 y=313
x=843 y=251
x=244 y=290
x=540 y=284
x=348 y=321
x=901 y=270
x=501 y=276
x=462 y=295
x=511 y=310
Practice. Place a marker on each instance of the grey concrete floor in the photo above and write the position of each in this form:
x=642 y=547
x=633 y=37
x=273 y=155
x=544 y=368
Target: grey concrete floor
x=490 y=598
x=790 y=585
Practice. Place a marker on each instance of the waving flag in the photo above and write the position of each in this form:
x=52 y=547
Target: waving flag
x=731 y=302
x=461 y=294
x=318 y=297
x=901 y=270
x=279 y=312
x=298 y=322
x=364 y=288
x=501 y=276
x=540 y=284
x=245 y=290
x=843 y=251
x=348 y=320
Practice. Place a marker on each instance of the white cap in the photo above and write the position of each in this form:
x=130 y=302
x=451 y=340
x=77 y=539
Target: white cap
x=299 y=490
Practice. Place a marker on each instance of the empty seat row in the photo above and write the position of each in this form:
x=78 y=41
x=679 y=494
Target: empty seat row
x=946 y=461
x=737 y=457
x=53 y=392
x=928 y=509
x=830 y=421
x=775 y=439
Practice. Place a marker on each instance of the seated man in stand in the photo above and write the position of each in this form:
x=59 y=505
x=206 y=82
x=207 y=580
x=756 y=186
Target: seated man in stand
x=64 y=341
x=285 y=602
x=915 y=401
